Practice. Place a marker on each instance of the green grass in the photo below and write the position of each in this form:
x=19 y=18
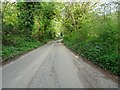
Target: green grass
x=25 y=46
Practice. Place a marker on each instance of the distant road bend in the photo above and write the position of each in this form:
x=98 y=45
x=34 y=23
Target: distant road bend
x=53 y=66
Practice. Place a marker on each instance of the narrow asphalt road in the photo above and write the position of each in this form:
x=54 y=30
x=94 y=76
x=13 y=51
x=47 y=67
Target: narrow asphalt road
x=53 y=66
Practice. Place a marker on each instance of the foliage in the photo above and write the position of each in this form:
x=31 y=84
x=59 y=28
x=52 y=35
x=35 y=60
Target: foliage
x=95 y=36
x=90 y=29
x=26 y=25
x=9 y=52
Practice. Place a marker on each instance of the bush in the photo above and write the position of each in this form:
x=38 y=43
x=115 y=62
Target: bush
x=20 y=47
x=103 y=53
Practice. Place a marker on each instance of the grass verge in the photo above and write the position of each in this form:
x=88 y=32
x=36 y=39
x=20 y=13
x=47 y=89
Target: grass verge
x=9 y=52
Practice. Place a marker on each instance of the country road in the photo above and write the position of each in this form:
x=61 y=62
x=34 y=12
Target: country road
x=53 y=66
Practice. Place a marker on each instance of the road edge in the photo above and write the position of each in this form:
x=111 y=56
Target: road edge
x=109 y=74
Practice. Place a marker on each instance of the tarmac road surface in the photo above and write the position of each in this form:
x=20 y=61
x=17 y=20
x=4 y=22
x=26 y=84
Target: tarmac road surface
x=53 y=66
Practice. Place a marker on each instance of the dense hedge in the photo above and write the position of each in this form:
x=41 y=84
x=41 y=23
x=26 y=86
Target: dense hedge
x=101 y=54
x=25 y=26
x=95 y=37
x=21 y=47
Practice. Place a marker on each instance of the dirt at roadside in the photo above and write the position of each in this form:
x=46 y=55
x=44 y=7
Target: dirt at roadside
x=108 y=74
